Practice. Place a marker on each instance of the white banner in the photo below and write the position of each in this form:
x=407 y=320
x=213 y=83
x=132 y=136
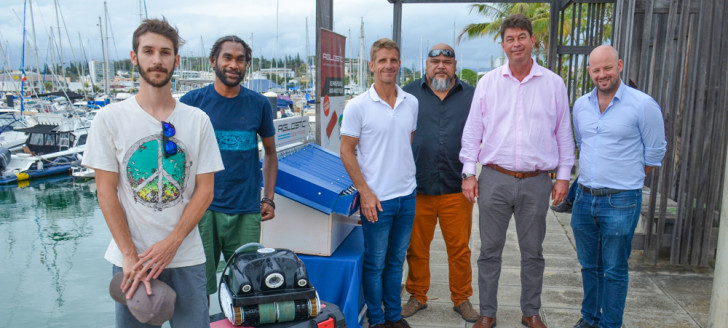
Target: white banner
x=290 y=129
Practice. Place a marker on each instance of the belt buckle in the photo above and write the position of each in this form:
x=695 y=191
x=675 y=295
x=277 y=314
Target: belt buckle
x=519 y=175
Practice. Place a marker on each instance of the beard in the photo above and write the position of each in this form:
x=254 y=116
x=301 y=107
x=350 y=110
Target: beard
x=220 y=73
x=438 y=84
x=157 y=84
x=612 y=86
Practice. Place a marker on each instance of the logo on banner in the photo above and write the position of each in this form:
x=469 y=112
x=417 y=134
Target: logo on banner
x=333 y=119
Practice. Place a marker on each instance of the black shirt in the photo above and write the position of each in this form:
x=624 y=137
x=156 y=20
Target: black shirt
x=436 y=143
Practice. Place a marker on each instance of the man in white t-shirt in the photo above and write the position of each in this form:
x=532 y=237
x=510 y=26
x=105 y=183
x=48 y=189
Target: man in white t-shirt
x=379 y=124
x=155 y=160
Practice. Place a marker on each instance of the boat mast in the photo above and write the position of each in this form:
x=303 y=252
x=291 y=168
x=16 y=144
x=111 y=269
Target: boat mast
x=22 y=65
x=35 y=42
x=60 y=43
x=103 y=51
x=106 y=48
x=276 y=56
x=308 y=65
x=362 y=51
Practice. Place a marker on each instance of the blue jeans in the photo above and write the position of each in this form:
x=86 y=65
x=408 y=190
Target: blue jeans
x=385 y=246
x=603 y=229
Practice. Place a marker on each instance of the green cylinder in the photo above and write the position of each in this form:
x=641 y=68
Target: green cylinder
x=267 y=313
x=286 y=311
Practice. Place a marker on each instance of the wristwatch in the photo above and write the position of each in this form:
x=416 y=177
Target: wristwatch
x=467 y=175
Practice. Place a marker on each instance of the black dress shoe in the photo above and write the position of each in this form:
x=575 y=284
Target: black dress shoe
x=563 y=207
x=583 y=324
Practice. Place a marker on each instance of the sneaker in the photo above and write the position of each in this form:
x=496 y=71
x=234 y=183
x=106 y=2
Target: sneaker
x=563 y=207
x=380 y=325
x=583 y=324
x=401 y=323
x=412 y=307
x=467 y=312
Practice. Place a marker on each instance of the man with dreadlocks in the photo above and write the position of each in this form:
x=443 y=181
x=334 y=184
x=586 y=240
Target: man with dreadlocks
x=238 y=115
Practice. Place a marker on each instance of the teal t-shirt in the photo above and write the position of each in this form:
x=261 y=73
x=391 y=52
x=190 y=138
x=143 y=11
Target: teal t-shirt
x=237 y=122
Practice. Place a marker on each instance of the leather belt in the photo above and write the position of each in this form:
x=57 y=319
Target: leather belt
x=517 y=175
x=600 y=191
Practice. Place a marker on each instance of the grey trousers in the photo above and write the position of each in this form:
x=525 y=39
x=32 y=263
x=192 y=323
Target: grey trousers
x=503 y=196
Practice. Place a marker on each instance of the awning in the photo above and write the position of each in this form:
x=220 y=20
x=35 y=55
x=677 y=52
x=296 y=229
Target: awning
x=39 y=128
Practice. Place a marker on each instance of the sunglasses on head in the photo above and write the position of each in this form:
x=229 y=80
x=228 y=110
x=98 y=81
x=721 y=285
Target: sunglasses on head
x=168 y=131
x=444 y=52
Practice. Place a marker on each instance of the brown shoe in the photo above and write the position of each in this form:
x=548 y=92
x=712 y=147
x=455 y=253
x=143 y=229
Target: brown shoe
x=466 y=311
x=412 y=307
x=484 y=322
x=533 y=322
x=401 y=323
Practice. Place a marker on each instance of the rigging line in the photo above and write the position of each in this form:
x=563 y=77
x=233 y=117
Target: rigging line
x=113 y=38
x=68 y=37
x=6 y=63
x=35 y=38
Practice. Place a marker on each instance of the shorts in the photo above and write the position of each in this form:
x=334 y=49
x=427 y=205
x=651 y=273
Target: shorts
x=190 y=307
x=224 y=233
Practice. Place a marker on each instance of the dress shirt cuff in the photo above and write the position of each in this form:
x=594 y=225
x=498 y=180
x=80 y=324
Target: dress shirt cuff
x=469 y=168
x=653 y=156
x=563 y=173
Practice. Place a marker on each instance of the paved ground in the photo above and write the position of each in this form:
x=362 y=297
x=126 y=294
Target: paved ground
x=659 y=296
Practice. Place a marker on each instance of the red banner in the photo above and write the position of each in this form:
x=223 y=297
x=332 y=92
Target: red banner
x=332 y=87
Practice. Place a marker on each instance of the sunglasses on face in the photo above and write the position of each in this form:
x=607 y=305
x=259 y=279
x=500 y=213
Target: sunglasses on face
x=444 y=52
x=168 y=131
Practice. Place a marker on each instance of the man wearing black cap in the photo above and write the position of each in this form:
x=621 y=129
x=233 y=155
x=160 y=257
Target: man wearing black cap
x=155 y=160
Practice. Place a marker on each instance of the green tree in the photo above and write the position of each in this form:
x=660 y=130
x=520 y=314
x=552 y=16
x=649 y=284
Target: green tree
x=538 y=13
x=470 y=76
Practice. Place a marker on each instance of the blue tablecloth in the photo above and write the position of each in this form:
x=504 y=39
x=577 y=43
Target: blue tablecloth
x=337 y=278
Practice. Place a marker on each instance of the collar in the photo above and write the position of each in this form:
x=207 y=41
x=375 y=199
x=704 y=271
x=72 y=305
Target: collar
x=374 y=96
x=617 y=96
x=536 y=70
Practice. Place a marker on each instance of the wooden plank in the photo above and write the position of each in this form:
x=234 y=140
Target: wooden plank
x=675 y=66
x=716 y=110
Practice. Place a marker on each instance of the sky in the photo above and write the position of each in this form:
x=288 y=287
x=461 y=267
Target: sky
x=201 y=22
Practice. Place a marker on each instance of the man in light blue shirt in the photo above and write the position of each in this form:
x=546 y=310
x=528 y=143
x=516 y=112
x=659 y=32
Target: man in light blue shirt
x=621 y=137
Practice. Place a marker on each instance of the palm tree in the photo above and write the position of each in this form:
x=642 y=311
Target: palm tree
x=537 y=12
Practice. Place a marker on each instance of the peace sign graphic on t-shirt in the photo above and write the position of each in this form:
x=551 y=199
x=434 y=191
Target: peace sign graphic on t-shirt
x=157 y=182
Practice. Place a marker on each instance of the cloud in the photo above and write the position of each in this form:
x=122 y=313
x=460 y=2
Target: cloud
x=252 y=20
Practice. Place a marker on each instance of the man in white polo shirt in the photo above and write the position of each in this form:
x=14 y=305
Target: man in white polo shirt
x=380 y=124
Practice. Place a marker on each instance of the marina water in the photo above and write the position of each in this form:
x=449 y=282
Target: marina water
x=52 y=240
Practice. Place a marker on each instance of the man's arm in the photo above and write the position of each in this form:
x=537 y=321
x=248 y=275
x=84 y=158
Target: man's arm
x=107 y=193
x=470 y=143
x=369 y=202
x=161 y=253
x=565 y=143
x=652 y=130
x=270 y=174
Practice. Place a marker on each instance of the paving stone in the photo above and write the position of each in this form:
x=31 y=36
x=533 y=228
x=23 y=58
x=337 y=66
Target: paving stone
x=658 y=296
x=657 y=302
x=692 y=292
x=650 y=320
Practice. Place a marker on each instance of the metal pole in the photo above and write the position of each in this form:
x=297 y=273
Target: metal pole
x=397 y=23
x=324 y=19
x=719 y=300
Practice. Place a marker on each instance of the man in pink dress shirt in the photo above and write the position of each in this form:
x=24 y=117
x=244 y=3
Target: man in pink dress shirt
x=518 y=129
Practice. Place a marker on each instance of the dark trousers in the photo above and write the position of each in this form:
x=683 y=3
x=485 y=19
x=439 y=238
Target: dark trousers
x=527 y=200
